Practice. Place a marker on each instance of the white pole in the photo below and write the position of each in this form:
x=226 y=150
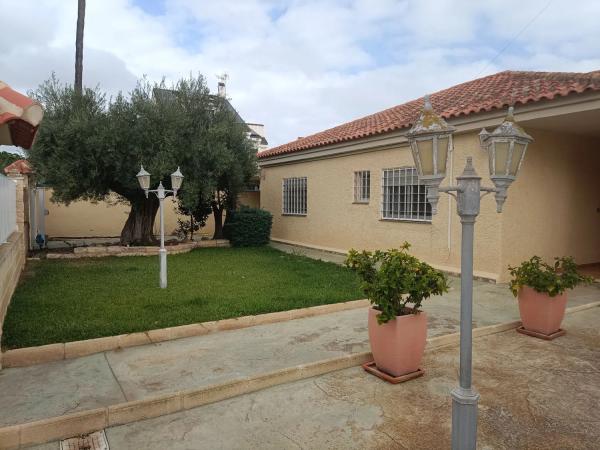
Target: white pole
x=162 y=253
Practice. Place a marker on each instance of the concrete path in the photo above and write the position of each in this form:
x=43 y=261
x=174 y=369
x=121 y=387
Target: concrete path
x=309 y=252
x=53 y=389
x=534 y=395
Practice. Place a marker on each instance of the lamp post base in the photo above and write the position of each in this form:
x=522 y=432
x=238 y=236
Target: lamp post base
x=464 y=418
x=162 y=255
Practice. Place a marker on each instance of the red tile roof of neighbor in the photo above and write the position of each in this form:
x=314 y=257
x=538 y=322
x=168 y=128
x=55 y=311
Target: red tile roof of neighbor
x=483 y=94
x=19 y=166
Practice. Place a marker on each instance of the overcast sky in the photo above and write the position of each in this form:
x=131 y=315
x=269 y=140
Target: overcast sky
x=298 y=66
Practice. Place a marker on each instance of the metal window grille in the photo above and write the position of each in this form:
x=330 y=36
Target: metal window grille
x=362 y=186
x=294 y=196
x=403 y=197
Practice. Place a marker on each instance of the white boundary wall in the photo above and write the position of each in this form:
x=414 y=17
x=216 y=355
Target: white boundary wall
x=8 y=208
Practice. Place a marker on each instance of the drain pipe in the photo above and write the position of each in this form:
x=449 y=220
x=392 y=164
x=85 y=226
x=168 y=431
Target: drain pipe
x=451 y=155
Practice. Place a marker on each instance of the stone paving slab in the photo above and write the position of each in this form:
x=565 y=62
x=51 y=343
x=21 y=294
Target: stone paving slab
x=534 y=395
x=51 y=389
x=57 y=388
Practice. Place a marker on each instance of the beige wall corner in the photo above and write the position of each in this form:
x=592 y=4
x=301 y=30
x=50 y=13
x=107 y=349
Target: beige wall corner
x=552 y=207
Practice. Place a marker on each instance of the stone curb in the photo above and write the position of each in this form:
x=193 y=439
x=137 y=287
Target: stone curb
x=22 y=357
x=117 y=250
x=61 y=427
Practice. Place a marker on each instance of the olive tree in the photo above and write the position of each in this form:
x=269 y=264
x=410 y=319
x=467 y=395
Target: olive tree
x=90 y=146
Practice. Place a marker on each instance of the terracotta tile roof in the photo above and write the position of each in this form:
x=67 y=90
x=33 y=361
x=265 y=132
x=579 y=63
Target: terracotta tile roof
x=483 y=94
x=19 y=166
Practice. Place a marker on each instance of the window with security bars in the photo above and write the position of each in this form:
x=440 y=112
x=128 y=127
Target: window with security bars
x=362 y=186
x=294 y=196
x=404 y=198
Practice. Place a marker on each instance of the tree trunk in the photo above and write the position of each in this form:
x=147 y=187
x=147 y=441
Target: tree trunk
x=140 y=223
x=192 y=227
x=218 y=215
x=79 y=46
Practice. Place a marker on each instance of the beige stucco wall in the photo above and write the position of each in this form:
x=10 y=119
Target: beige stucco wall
x=106 y=219
x=334 y=222
x=250 y=198
x=552 y=209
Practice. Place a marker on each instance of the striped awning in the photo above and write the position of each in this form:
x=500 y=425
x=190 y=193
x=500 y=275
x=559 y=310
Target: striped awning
x=20 y=117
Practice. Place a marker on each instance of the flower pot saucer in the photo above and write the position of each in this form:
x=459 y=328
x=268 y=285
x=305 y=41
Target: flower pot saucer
x=372 y=369
x=547 y=337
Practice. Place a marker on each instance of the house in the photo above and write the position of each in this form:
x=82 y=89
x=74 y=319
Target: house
x=355 y=186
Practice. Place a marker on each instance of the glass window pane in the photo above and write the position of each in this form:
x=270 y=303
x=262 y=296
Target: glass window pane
x=516 y=158
x=501 y=157
x=442 y=154
x=426 y=155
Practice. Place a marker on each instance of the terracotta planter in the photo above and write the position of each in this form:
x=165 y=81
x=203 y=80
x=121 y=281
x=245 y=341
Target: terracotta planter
x=398 y=345
x=540 y=312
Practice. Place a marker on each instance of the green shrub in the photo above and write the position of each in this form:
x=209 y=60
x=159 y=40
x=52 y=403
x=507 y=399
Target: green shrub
x=393 y=279
x=250 y=227
x=544 y=278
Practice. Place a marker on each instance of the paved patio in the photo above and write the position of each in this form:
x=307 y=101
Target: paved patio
x=52 y=389
x=534 y=395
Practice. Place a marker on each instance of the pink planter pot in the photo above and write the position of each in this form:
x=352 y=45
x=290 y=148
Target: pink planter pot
x=540 y=312
x=399 y=344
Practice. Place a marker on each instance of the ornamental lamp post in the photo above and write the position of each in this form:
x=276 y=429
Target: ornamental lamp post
x=176 y=179
x=430 y=139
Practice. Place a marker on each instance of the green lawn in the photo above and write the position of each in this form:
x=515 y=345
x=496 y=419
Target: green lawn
x=68 y=300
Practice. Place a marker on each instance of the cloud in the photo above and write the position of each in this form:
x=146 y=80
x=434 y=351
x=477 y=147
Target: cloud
x=298 y=66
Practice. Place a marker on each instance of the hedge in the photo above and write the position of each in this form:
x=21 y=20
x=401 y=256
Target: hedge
x=249 y=227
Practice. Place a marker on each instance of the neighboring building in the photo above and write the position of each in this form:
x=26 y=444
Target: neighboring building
x=354 y=186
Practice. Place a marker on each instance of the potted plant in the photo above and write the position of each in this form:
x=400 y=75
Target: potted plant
x=541 y=290
x=396 y=284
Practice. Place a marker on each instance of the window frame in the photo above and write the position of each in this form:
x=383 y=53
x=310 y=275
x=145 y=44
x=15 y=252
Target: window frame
x=358 y=188
x=422 y=215
x=298 y=204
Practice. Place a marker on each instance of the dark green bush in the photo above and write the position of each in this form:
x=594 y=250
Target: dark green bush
x=250 y=227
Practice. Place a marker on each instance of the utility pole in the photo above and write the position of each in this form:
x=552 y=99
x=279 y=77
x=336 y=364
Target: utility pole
x=79 y=46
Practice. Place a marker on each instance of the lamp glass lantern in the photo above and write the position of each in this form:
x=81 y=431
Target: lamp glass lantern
x=143 y=178
x=506 y=147
x=430 y=140
x=176 y=180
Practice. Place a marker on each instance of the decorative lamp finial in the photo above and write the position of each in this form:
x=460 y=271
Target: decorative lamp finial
x=510 y=115
x=427 y=106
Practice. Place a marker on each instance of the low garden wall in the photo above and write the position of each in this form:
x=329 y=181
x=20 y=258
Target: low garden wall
x=12 y=261
x=118 y=250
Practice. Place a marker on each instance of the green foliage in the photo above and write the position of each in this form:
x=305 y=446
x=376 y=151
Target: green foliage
x=250 y=227
x=545 y=278
x=393 y=279
x=6 y=159
x=89 y=146
x=195 y=218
